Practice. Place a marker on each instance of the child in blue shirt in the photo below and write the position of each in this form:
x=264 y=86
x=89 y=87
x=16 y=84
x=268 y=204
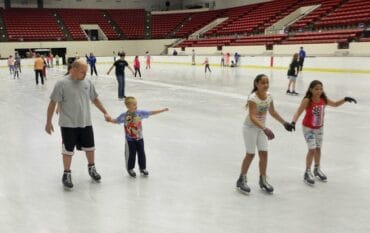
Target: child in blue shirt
x=91 y=60
x=134 y=134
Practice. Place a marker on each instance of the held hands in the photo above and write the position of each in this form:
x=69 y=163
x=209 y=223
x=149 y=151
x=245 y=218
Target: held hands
x=293 y=125
x=270 y=135
x=107 y=117
x=350 y=100
x=288 y=127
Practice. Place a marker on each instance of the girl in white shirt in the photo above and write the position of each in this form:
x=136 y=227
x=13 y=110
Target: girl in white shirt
x=257 y=134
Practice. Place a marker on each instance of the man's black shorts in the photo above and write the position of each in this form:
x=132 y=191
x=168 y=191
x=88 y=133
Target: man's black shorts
x=82 y=138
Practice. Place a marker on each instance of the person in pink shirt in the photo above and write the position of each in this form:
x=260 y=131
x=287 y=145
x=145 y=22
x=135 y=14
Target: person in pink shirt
x=148 y=60
x=137 y=66
x=314 y=104
x=51 y=59
x=227 y=59
x=11 y=64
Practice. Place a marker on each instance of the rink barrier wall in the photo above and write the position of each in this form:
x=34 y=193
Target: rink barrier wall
x=331 y=49
x=156 y=47
x=99 y=48
x=315 y=64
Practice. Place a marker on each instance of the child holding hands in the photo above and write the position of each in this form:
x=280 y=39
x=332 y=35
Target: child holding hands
x=134 y=134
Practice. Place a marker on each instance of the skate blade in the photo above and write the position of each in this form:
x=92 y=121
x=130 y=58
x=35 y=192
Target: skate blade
x=242 y=191
x=309 y=184
x=323 y=181
x=67 y=189
x=267 y=191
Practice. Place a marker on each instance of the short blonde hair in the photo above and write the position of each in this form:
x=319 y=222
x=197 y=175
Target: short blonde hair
x=78 y=63
x=129 y=99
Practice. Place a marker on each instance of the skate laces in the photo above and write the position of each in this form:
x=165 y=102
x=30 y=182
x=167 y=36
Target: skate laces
x=68 y=177
x=309 y=174
x=319 y=172
x=93 y=170
x=244 y=180
x=265 y=180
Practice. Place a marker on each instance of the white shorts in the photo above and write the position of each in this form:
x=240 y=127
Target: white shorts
x=313 y=137
x=293 y=78
x=253 y=137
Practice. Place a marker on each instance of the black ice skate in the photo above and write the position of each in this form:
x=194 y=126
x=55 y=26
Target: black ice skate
x=319 y=174
x=265 y=185
x=144 y=172
x=308 y=178
x=132 y=173
x=93 y=173
x=242 y=185
x=67 y=180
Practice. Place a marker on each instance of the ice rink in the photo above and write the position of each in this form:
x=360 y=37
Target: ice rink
x=194 y=153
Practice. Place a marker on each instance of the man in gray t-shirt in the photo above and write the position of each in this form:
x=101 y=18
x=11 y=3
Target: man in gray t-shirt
x=73 y=95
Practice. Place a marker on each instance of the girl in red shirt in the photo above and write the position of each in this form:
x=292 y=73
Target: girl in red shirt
x=137 y=66
x=314 y=104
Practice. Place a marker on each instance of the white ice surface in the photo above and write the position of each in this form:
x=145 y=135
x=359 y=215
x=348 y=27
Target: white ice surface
x=194 y=153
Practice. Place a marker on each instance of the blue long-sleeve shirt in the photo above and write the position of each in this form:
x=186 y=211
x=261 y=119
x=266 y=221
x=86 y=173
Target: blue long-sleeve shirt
x=91 y=60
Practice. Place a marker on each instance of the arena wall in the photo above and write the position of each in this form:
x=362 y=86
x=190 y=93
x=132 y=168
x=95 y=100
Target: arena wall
x=99 y=48
x=355 y=49
x=312 y=63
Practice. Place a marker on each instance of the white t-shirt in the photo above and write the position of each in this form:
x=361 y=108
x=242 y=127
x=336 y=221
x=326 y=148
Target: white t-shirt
x=262 y=108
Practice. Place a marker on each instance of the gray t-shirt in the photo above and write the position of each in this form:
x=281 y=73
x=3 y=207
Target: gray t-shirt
x=74 y=98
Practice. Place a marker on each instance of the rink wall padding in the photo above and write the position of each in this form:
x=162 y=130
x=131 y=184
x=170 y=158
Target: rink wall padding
x=312 y=63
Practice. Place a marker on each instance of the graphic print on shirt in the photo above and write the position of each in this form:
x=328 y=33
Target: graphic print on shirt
x=262 y=109
x=133 y=127
x=318 y=115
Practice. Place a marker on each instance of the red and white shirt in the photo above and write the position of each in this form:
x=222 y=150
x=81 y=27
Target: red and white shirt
x=315 y=112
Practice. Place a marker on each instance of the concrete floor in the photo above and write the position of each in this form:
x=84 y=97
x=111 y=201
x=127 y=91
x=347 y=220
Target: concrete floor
x=194 y=153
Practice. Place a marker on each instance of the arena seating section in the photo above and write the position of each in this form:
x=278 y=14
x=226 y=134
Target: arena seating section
x=251 y=18
x=197 y=21
x=162 y=25
x=131 y=22
x=326 y=6
x=31 y=25
x=72 y=18
x=334 y=21
x=352 y=12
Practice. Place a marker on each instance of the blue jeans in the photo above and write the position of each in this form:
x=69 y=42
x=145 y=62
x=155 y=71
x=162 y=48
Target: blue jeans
x=121 y=86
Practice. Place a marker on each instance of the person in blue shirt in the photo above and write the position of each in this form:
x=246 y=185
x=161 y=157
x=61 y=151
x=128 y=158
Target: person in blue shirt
x=134 y=134
x=302 y=55
x=236 y=58
x=91 y=60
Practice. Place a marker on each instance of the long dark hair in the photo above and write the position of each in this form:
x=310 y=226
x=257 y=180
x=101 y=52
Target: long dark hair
x=256 y=81
x=313 y=84
x=295 y=57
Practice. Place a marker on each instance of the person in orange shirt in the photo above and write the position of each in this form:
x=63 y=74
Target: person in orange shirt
x=38 y=67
